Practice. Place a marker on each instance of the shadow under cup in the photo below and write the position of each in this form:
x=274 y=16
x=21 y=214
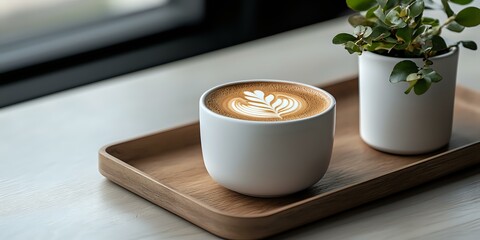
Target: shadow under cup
x=267 y=158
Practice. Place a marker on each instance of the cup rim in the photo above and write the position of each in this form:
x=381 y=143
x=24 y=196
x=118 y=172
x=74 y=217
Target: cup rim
x=203 y=106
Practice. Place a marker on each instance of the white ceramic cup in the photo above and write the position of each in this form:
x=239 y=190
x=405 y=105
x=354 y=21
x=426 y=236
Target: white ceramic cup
x=267 y=158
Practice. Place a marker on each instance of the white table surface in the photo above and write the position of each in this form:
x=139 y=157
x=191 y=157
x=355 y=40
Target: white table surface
x=50 y=187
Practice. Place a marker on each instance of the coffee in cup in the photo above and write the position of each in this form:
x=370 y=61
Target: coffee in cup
x=266 y=137
x=267 y=101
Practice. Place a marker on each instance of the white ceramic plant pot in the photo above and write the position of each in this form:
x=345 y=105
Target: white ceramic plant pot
x=399 y=123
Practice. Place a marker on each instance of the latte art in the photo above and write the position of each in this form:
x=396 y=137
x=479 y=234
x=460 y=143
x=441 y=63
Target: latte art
x=267 y=101
x=261 y=106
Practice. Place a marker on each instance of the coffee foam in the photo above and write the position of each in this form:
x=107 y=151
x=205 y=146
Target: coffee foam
x=267 y=101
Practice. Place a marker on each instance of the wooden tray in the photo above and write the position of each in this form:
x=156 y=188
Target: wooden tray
x=166 y=168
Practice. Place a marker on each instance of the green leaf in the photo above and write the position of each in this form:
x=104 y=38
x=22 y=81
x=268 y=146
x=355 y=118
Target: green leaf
x=435 y=77
x=380 y=14
x=362 y=31
x=342 y=38
x=405 y=34
x=426 y=48
x=380 y=46
x=410 y=87
x=455 y=27
x=413 y=23
x=401 y=46
x=422 y=86
x=358 y=30
x=351 y=47
x=361 y=5
x=379 y=33
x=447 y=8
x=430 y=75
x=382 y=3
x=468 y=17
x=392 y=18
x=430 y=21
x=419 y=31
x=469 y=44
x=368 y=31
x=370 y=13
x=462 y=2
x=438 y=43
x=390 y=4
x=413 y=77
x=401 y=71
x=391 y=40
x=416 y=9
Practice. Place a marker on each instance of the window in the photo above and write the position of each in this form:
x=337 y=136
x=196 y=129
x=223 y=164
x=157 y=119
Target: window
x=68 y=43
x=59 y=28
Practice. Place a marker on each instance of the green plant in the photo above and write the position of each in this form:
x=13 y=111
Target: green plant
x=399 y=28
